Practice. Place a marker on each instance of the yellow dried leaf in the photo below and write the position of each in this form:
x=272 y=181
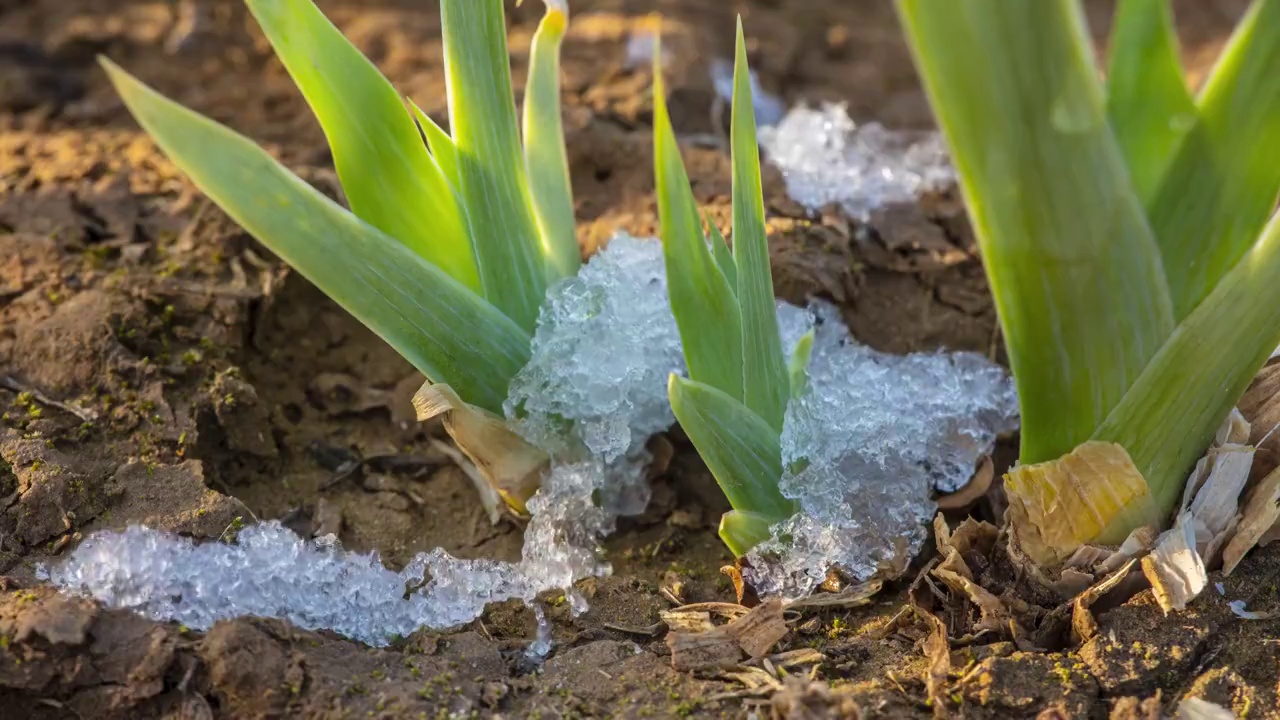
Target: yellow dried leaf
x=511 y=465
x=1092 y=495
x=1260 y=513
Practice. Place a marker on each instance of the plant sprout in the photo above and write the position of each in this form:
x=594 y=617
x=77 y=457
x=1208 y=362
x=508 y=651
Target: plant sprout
x=451 y=240
x=733 y=402
x=1124 y=227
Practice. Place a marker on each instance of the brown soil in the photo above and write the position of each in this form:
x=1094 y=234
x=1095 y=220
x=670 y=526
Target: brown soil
x=158 y=366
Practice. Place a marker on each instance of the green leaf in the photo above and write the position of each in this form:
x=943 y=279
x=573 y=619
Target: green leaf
x=387 y=175
x=739 y=448
x=492 y=179
x=742 y=531
x=441 y=145
x=1073 y=266
x=798 y=367
x=704 y=305
x=1222 y=184
x=766 y=385
x=1148 y=103
x=545 y=156
x=436 y=323
x=1171 y=413
x=722 y=255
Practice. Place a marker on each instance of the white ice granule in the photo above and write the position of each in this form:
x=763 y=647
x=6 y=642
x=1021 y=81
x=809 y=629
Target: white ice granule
x=605 y=345
x=271 y=572
x=826 y=158
x=864 y=446
x=592 y=395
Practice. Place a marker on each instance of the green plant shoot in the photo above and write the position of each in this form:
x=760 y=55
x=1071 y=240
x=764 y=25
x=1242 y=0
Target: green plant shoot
x=1122 y=227
x=447 y=250
x=733 y=402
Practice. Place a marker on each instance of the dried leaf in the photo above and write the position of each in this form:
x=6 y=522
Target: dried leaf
x=699 y=651
x=1138 y=543
x=1261 y=407
x=1216 y=500
x=1174 y=567
x=938 y=651
x=971 y=537
x=1235 y=430
x=1086 y=556
x=1083 y=625
x=994 y=615
x=850 y=596
x=754 y=632
x=759 y=630
x=688 y=621
x=726 y=610
x=1072 y=582
x=1093 y=494
x=1260 y=514
x=512 y=466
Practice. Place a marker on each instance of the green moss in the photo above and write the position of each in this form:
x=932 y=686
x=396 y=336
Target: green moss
x=687 y=708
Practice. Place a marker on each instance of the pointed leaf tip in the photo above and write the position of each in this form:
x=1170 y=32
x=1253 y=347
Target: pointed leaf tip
x=436 y=323
x=387 y=175
x=765 y=378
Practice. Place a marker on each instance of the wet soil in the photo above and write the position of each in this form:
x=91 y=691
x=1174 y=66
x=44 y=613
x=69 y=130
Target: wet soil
x=158 y=366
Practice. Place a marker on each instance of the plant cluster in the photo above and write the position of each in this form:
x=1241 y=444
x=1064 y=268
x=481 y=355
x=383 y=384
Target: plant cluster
x=1123 y=225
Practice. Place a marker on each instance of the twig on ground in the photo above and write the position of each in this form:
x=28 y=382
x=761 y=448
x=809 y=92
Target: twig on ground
x=12 y=383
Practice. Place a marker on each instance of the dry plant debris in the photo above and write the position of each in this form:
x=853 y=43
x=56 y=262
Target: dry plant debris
x=698 y=644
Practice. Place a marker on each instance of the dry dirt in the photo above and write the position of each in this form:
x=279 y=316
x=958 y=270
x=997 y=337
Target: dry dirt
x=158 y=366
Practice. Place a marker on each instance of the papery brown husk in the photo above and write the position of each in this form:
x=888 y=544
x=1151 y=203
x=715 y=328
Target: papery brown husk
x=512 y=467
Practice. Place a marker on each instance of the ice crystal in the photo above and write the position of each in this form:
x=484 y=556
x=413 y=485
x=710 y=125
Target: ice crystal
x=271 y=572
x=769 y=109
x=541 y=645
x=866 y=444
x=605 y=344
x=826 y=158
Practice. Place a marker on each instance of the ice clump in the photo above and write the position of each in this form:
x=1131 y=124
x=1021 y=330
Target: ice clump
x=826 y=158
x=605 y=345
x=591 y=396
x=865 y=445
x=271 y=572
